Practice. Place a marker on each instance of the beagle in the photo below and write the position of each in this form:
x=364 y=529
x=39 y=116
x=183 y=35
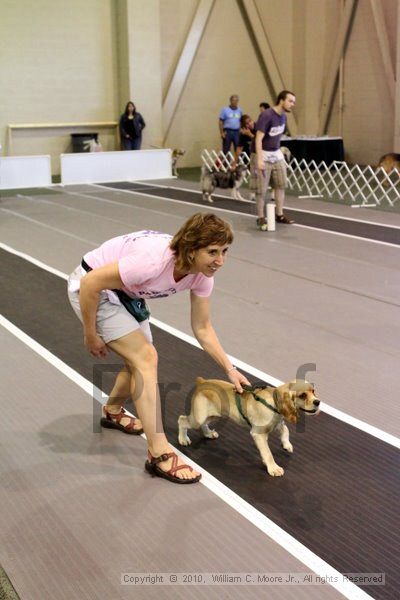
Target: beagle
x=263 y=408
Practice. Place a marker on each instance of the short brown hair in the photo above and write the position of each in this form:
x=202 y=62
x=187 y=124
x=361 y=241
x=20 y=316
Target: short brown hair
x=283 y=95
x=243 y=120
x=200 y=231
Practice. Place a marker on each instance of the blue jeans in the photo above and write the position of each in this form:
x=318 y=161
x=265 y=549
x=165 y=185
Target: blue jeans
x=131 y=143
x=231 y=136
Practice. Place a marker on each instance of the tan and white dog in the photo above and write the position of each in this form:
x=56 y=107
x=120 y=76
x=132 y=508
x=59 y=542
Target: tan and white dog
x=389 y=162
x=175 y=156
x=263 y=408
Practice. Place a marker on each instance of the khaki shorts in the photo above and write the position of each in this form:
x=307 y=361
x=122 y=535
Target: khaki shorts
x=112 y=320
x=274 y=173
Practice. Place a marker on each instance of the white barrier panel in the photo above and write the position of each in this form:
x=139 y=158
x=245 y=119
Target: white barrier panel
x=24 y=172
x=101 y=167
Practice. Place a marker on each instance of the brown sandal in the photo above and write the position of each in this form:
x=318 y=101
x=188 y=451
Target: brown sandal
x=284 y=219
x=151 y=467
x=113 y=421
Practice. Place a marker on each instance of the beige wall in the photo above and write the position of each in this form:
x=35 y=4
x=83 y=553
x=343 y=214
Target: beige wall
x=81 y=60
x=143 y=74
x=368 y=117
x=224 y=65
x=57 y=64
x=302 y=36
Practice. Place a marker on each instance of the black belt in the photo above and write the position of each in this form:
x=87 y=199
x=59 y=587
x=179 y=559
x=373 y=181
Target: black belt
x=137 y=307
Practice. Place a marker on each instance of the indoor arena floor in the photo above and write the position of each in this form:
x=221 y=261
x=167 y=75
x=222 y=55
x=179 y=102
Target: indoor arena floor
x=318 y=299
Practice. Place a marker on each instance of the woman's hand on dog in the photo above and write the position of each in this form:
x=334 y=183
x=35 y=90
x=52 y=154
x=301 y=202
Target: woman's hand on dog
x=237 y=378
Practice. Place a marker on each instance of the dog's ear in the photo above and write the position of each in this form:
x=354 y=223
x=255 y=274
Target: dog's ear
x=287 y=405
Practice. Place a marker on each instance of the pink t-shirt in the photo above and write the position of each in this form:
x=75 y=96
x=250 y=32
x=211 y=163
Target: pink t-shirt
x=146 y=265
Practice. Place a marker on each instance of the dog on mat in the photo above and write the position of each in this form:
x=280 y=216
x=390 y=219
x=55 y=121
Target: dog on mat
x=233 y=179
x=263 y=408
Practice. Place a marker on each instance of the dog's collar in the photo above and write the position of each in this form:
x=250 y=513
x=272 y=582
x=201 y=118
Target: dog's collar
x=252 y=389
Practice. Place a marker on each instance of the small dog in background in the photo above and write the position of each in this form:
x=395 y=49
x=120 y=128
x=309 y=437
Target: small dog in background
x=388 y=162
x=233 y=179
x=286 y=153
x=175 y=156
x=176 y=153
x=263 y=408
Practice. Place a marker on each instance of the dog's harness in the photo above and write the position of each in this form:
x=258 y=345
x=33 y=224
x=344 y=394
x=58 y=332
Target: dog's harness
x=252 y=389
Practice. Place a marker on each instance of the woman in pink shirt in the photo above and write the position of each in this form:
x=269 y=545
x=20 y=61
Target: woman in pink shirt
x=108 y=291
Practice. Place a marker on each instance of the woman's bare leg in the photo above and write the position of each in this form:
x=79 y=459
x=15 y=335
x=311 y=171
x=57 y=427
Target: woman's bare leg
x=120 y=392
x=140 y=357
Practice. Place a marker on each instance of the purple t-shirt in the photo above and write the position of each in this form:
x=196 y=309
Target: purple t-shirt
x=146 y=265
x=273 y=125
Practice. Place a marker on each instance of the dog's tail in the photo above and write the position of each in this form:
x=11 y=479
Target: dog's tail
x=199 y=380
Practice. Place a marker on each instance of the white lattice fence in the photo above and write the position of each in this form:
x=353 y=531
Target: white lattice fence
x=218 y=161
x=363 y=186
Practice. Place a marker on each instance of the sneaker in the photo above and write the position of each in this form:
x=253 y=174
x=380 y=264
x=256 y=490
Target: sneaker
x=283 y=219
x=262 y=224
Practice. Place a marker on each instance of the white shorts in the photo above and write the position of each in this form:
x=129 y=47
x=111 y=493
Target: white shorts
x=113 y=321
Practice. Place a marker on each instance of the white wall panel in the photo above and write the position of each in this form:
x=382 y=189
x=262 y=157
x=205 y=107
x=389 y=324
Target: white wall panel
x=101 y=167
x=24 y=172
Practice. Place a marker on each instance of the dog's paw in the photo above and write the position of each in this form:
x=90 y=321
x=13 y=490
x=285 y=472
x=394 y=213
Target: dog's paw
x=184 y=440
x=275 y=470
x=288 y=447
x=211 y=434
x=211 y=201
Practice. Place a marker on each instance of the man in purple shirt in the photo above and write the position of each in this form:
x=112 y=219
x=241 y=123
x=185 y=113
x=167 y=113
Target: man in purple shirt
x=268 y=162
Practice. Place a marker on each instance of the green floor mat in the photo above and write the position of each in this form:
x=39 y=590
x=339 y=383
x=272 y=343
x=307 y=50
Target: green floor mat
x=7 y=591
x=28 y=192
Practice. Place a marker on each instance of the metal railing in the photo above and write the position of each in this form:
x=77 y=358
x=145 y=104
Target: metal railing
x=362 y=186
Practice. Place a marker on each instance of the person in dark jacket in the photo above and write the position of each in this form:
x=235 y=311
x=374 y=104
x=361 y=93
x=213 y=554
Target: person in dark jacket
x=246 y=136
x=131 y=125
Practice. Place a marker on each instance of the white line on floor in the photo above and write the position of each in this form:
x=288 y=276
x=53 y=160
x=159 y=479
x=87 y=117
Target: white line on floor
x=330 y=410
x=251 y=514
x=34 y=261
x=36 y=222
x=213 y=207
x=88 y=212
x=107 y=200
x=349 y=235
x=305 y=210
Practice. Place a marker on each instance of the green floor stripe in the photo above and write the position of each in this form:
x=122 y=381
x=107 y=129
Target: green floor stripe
x=7 y=591
x=28 y=192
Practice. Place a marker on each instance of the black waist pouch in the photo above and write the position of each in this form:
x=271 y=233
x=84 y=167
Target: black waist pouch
x=137 y=307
